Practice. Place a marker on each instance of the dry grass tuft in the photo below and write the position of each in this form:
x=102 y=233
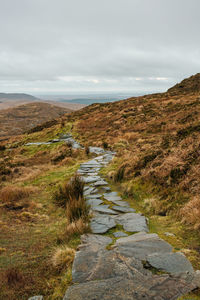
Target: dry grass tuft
x=71 y=190
x=76 y=208
x=11 y=196
x=77 y=227
x=190 y=213
x=62 y=257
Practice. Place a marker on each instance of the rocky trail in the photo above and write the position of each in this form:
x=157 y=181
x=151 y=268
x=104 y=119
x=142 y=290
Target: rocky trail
x=120 y=260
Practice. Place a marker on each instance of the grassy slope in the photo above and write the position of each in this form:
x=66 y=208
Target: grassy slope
x=30 y=234
x=157 y=138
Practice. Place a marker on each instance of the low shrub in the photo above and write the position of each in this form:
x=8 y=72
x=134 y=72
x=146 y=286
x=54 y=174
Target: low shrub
x=70 y=190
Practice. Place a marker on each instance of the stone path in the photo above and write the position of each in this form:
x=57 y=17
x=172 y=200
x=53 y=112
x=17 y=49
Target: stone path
x=67 y=138
x=130 y=263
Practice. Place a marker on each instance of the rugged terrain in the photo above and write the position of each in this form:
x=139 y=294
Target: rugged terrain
x=155 y=169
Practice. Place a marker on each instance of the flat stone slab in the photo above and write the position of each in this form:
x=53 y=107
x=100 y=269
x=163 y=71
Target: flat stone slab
x=141 y=245
x=100 y=183
x=87 y=257
x=110 y=197
x=90 y=179
x=38 y=143
x=111 y=194
x=173 y=263
x=106 y=188
x=101 y=224
x=90 y=164
x=96 y=150
x=93 y=196
x=120 y=203
x=94 y=202
x=104 y=209
x=132 y=222
x=89 y=191
x=118 y=234
x=123 y=209
x=120 y=288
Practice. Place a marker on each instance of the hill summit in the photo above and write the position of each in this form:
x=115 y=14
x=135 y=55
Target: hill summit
x=188 y=85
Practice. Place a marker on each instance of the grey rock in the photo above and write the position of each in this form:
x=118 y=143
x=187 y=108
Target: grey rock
x=96 y=150
x=87 y=258
x=93 y=196
x=112 y=197
x=120 y=203
x=169 y=234
x=38 y=143
x=104 y=209
x=118 y=234
x=120 y=288
x=65 y=135
x=123 y=209
x=54 y=141
x=90 y=179
x=89 y=191
x=94 y=202
x=111 y=194
x=101 y=224
x=92 y=163
x=100 y=183
x=173 y=263
x=133 y=222
x=106 y=188
x=140 y=245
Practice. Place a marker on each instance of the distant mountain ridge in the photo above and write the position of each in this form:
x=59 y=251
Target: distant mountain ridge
x=17 y=96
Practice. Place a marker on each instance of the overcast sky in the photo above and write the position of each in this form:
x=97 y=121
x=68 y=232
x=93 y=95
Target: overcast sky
x=75 y=46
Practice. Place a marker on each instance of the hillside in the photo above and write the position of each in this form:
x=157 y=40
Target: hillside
x=155 y=170
x=17 y=120
x=157 y=138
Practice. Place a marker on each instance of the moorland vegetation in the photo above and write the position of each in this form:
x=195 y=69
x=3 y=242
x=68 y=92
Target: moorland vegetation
x=156 y=169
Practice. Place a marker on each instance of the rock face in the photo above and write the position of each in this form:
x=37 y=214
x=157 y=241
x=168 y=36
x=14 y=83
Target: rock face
x=118 y=267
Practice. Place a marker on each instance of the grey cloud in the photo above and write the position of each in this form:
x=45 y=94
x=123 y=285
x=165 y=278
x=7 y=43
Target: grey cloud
x=100 y=45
